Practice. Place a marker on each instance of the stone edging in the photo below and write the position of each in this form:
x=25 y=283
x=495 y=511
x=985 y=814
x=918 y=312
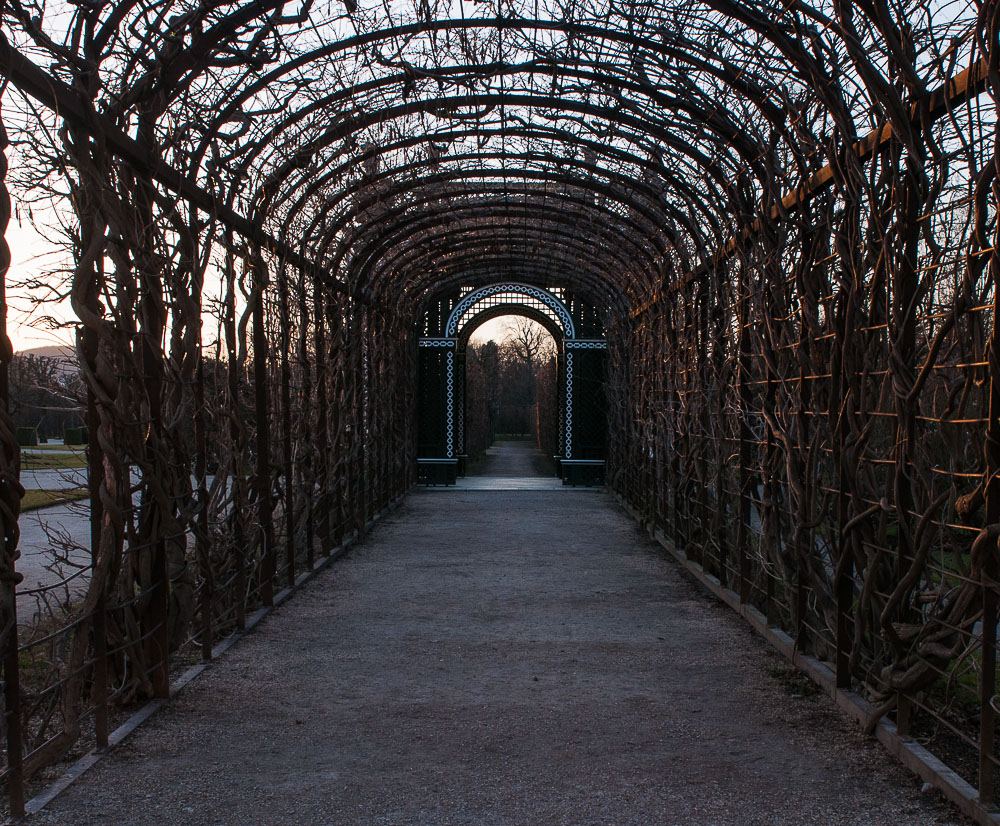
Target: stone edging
x=92 y=758
x=910 y=753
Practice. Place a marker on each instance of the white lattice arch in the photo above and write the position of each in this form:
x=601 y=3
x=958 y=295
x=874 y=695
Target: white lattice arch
x=537 y=293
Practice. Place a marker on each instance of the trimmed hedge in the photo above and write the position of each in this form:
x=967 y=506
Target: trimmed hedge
x=27 y=436
x=75 y=435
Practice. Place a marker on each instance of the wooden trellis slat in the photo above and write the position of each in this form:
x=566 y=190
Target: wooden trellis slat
x=967 y=84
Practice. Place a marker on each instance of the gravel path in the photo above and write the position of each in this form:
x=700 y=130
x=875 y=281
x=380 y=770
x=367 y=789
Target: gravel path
x=54 y=478
x=500 y=658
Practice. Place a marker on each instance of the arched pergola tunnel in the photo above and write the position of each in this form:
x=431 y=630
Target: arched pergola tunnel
x=783 y=217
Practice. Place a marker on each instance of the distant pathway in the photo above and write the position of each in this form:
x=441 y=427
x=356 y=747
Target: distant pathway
x=54 y=478
x=54 y=543
x=66 y=527
x=512 y=459
x=504 y=659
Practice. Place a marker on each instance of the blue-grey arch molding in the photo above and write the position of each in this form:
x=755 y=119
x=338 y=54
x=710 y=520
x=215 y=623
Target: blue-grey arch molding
x=466 y=307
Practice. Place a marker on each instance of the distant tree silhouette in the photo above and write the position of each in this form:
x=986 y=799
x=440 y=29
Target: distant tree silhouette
x=507 y=373
x=43 y=395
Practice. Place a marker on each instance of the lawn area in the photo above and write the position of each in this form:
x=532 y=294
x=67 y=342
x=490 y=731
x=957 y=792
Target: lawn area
x=34 y=461
x=34 y=499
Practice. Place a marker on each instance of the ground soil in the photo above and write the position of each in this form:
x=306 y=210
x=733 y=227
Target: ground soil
x=500 y=658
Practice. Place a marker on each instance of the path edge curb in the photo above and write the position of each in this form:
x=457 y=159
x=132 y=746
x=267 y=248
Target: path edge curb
x=911 y=754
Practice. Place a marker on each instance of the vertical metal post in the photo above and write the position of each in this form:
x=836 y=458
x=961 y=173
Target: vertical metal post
x=335 y=313
x=322 y=425
x=285 y=412
x=655 y=340
x=901 y=326
x=207 y=590
x=360 y=422
x=152 y=315
x=771 y=514
x=560 y=404
x=307 y=479
x=845 y=577
x=668 y=334
x=989 y=574
x=158 y=645
x=87 y=346
x=352 y=424
x=804 y=542
x=156 y=615
x=460 y=446
x=682 y=492
x=10 y=506
x=844 y=584
x=567 y=404
x=768 y=309
x=721 y=349
x=262 y=479
x=839 y=422
x=234 y=372
x=706 y=516
x=745 y=395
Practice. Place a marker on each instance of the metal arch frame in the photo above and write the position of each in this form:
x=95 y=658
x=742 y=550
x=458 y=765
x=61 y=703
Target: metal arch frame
x=516 y=263
x=651 y=49
x=480 y=317
x=539 y=294
x=453 y=333
x=471 y=272
x=417 y=216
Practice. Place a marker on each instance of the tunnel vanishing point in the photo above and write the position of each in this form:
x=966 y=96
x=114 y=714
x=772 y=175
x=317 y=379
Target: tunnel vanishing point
x=763 y=234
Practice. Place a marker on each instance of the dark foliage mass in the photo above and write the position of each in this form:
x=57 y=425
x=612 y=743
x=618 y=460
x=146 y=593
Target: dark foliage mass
x=44 y=394
x=786 y=213
x=501 y=390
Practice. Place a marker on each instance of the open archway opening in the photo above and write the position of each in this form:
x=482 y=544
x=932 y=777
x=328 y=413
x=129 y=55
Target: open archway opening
x=511 y=396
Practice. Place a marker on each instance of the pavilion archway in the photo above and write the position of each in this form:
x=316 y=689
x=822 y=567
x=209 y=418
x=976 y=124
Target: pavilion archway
x=581 y=355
